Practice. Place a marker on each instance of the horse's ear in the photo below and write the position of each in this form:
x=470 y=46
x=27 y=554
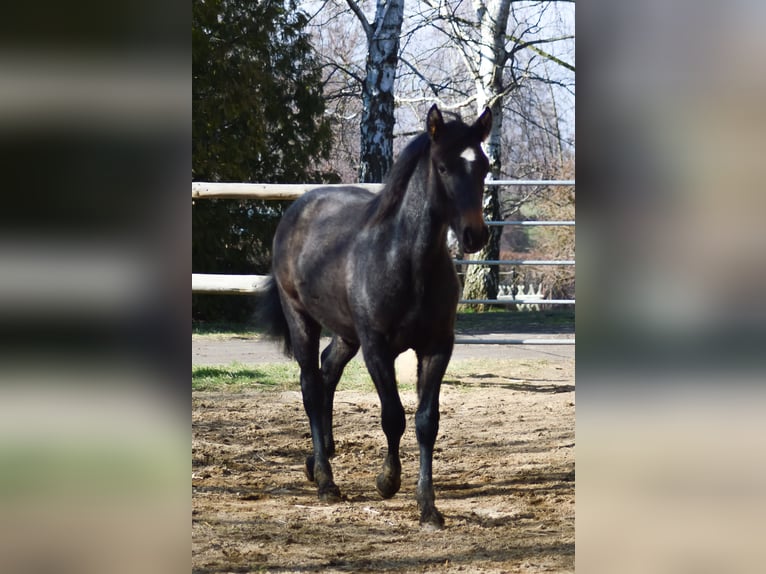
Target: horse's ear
x=434 y=122
x=484 y=123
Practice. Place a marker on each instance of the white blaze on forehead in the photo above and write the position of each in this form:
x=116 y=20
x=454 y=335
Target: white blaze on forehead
x=468 y=154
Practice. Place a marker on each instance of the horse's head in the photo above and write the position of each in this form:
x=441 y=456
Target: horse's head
x=459 y=166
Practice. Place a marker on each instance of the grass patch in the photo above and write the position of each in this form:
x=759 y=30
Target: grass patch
x=237 y=377
x=355 y=377
x=270 y=376
x=276 y=376
x=502 y=321
x=224 y=330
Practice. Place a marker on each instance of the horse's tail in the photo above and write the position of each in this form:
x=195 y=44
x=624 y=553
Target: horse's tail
x=271 y=317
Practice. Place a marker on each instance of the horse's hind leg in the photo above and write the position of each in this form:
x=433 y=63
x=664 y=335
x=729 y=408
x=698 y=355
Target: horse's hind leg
x=304 y=333
x=380 y=364
x=431 y=369
x=334 y=359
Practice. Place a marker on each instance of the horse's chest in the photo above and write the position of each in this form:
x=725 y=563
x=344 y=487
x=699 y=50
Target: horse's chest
x=406 y=300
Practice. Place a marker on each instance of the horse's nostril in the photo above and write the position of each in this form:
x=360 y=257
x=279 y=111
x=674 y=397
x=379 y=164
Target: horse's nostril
x=472 y=241
x=468 y=239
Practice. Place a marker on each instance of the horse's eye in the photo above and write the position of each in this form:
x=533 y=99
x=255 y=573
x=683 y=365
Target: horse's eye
x=442 y=168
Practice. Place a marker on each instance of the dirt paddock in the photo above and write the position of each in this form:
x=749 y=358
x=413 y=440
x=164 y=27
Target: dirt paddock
x=504 y=474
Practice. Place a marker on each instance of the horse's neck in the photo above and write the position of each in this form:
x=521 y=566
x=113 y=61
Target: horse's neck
x=425 y=225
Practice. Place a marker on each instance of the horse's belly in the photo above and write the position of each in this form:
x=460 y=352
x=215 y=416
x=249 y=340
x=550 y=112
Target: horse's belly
x=333 y=315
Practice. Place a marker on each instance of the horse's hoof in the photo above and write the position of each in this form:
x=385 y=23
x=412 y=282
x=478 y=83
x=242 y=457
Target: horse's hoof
x=309 y=468
x=431 y=520
x=387 y=486
x=330 y=494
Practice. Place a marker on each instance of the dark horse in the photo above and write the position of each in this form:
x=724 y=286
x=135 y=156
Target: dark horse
x=375 y=270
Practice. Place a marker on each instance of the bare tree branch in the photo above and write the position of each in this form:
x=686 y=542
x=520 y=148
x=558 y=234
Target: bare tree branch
x=532 y=45
x=443 y=105
x=361 y=17
x=337 y=67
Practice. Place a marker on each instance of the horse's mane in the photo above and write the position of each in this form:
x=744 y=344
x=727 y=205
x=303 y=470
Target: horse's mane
x=390 y=197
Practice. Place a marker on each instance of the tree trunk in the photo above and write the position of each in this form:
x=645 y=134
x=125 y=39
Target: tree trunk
x=377 y=125
x=482 y=281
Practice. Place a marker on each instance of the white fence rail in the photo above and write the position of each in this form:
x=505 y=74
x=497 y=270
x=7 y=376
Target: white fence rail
x=251 y=284
x=265 y=191
x=228 y=284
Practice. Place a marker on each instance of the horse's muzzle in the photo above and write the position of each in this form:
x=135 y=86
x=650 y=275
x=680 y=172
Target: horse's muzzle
x=474 y=239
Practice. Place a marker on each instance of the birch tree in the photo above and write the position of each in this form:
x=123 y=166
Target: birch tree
x=377 y=122
x=463 y=55
x=499 y=48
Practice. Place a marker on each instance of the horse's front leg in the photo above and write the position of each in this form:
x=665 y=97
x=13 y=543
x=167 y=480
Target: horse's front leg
x=380 y=364
x=431 y=369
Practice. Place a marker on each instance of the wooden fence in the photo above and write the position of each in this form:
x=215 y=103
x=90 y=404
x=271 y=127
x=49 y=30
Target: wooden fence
x=251 y=284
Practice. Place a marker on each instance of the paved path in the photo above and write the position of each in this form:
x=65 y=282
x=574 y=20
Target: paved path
x=220 y=351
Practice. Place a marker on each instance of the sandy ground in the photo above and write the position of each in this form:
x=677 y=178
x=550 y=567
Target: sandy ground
x=504 y=473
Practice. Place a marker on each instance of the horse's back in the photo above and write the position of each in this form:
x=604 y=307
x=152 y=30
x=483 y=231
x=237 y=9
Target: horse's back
x=319 y=207
x=328 y=198
x=313 y=211
x=312 y=245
